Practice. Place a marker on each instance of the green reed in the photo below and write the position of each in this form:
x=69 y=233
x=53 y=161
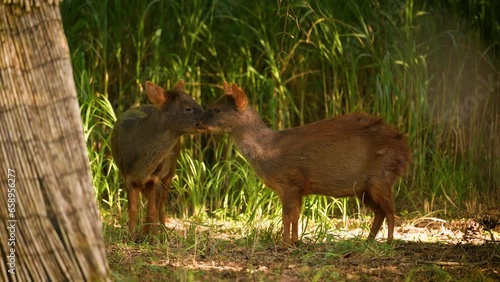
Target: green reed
x=428 y=68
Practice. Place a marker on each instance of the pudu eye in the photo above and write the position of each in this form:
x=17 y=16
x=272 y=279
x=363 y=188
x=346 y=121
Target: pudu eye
x=188 y=109
x=217 y=110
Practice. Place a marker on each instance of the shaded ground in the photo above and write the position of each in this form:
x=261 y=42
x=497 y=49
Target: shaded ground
x=427 y=249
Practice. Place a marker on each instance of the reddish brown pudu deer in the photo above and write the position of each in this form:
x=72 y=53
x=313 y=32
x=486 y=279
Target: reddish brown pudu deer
x=145 y=147
x=350 y=155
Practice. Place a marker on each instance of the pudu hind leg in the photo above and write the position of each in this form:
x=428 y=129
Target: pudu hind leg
x=379 y=200
x=150 y=225
x=163 y=188
x=132 y=198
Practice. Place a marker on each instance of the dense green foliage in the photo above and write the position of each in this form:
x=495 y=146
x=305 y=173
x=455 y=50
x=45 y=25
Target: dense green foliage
x=431 y=69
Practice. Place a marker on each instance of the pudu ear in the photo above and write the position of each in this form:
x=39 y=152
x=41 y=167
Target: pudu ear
x=227 y=89
x=180 y=86
x=156 y=94
x=238 y=95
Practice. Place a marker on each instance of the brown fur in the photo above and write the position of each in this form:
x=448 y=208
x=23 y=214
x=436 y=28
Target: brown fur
x=350 y=155
x=145 y=146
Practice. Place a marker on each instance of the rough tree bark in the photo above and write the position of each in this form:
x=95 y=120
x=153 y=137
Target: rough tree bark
x=50 y=228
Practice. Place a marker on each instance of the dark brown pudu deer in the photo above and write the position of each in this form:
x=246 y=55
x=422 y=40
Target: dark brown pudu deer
x=350 y=155
x=145 y=146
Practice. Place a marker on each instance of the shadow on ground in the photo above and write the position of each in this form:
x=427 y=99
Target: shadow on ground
x=204 y=255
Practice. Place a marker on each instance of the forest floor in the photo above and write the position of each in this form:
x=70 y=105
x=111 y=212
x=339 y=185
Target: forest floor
x=426 y=249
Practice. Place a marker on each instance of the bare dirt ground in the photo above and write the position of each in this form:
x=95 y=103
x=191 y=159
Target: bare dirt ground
x=427 y=249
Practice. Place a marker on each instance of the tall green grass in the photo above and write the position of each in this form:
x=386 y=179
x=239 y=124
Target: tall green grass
x=431 y=69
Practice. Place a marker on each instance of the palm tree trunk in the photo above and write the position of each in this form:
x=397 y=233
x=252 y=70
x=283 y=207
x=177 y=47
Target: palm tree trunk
x=50 y=228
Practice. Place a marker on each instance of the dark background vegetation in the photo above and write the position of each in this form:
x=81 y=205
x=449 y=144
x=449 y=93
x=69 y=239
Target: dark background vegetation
x=431 y=68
